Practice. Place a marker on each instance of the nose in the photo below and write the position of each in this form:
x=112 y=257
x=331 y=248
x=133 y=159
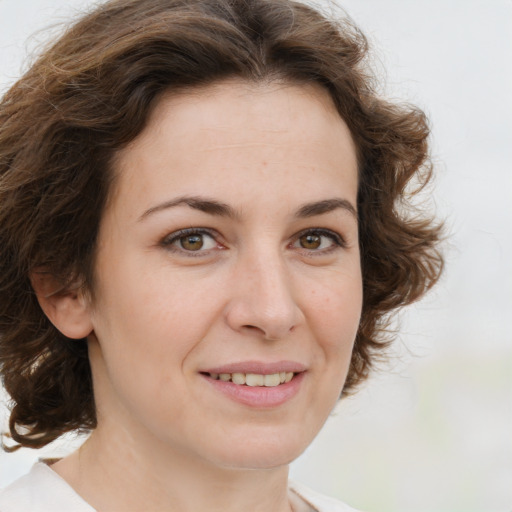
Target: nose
x=263 y=299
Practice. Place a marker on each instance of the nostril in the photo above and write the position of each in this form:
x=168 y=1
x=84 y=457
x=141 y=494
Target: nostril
x=259 y=331
x=253 y=328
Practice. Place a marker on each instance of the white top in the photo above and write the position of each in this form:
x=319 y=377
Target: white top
x=43 y=490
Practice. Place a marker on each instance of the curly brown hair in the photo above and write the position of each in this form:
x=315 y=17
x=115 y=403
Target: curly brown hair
x=91 y=93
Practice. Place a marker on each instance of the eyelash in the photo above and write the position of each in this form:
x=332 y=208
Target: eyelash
x=169 y=241
x=336 y=239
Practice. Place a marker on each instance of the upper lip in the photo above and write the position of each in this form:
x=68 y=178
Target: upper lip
x=258 y=367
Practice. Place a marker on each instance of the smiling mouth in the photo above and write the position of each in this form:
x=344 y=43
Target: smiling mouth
x=253 y=379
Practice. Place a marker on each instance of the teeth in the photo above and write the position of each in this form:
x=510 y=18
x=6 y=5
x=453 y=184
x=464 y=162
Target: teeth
x=272 y=380
x=238 y=378
x=254 y=379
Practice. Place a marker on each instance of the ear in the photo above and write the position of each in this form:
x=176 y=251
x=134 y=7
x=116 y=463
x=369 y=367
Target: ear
x=66 y=308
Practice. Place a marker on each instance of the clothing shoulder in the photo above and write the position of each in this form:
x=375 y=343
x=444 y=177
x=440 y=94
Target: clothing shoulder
x=319 y=502
x=41 y=490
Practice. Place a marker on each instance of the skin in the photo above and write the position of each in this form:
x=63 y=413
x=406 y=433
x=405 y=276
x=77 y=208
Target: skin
x=258 y=289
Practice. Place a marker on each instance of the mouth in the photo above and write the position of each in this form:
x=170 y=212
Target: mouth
x=253 y=379
x=257 y=384
x=257 y=390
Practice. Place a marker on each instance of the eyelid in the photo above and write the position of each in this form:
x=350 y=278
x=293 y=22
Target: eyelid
x=169 y=240
x=337 y=239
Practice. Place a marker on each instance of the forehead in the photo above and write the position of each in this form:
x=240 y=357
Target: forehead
x=249 y=108
x=241 y=108
x=274 y=131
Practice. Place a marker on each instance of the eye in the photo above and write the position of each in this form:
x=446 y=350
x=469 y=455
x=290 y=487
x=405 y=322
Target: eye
x=191 y=240
x=318 y=240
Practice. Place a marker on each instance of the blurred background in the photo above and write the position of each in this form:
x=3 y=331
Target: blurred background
x=432 y=430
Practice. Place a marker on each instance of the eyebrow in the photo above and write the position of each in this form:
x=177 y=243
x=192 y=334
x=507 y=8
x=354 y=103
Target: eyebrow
x=202 y=204
x=217 y=208
x=325 y=206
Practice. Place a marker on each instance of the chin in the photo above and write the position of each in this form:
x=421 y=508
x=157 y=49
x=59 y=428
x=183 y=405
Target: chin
x=262 y=451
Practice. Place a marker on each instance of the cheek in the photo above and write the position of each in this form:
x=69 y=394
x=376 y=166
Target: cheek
x=335 y=323
x=152 y=321
x=337 y=309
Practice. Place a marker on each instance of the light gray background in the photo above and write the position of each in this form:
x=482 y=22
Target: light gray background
x=433 y=430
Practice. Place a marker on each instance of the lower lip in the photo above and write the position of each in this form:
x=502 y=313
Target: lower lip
x=259 y=396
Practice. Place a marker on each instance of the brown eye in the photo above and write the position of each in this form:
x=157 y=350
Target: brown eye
x=319 y=241
x=310 y=241
x=192 y=242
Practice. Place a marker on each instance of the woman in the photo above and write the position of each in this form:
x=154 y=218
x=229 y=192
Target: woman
x=204 y=229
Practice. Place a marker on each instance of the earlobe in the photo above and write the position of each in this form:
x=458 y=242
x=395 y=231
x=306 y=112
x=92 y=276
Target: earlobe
x=66 y=308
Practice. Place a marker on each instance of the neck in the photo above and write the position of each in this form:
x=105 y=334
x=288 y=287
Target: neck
x=125 y=475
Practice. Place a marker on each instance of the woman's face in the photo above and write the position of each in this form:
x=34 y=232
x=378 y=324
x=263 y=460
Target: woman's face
x=230 y=247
